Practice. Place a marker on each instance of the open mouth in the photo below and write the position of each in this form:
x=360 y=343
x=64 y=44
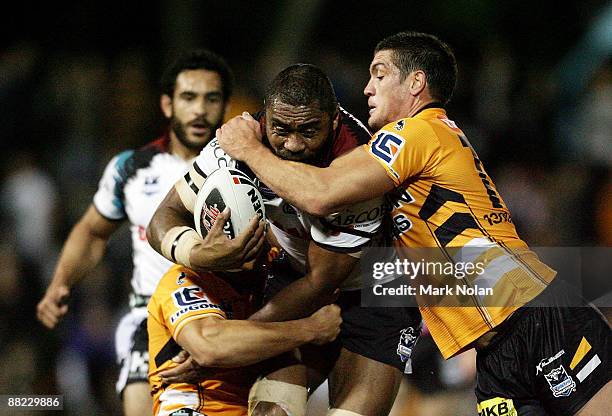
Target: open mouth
x=199 y=128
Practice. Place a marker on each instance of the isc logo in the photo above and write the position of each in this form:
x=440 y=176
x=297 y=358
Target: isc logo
x=191 y=295
x=387 y=146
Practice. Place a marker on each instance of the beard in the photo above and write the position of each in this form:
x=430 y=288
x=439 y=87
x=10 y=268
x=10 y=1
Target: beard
x=180 y=130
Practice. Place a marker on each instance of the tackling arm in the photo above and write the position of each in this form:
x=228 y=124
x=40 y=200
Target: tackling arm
x=327 y=271
x=352 y=178
x=82 y=251
x=216 y=342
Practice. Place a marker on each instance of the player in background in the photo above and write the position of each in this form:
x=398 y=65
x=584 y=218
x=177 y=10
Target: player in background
x=303 y=121
x=205 y=314
x=535 y=355
x=196 y=89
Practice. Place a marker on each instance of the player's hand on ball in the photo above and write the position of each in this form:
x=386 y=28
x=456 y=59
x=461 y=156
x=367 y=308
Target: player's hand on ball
x=240 y=136
x=326 y=324
x=52 y=307
x=218 y=252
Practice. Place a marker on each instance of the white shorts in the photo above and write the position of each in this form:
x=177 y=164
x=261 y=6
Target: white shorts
x=132 y=348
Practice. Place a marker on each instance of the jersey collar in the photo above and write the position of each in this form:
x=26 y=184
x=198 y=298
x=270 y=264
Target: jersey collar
x=434 y=104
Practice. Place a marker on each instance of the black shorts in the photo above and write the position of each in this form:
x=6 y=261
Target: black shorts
x=386 y=335
x=545 y=359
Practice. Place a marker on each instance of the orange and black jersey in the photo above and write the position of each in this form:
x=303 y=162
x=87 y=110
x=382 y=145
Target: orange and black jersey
x=181 y=297
x=444 y=199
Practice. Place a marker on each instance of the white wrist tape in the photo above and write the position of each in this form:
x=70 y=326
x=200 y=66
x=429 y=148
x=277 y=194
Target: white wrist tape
x=290 y=397
x=177 y=244
x=341 y=412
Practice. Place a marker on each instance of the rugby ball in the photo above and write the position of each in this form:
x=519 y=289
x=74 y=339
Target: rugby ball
x=227 y=188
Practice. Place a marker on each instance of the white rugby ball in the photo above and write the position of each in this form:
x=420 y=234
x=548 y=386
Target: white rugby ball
x=227 y=188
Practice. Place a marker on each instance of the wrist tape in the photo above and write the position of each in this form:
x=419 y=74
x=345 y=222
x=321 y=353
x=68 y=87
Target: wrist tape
x=177 y=244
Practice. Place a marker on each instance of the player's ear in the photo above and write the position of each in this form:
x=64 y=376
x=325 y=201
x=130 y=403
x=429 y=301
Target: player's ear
x=417 y=82
x=165 y=103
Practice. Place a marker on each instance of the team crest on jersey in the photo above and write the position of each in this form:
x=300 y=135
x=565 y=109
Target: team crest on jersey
x=387 y=147
x=546 y=361
x=561 y=384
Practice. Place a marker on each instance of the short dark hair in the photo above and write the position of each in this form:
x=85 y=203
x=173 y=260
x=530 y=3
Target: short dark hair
x=198 y=59
x=421 y=51
x=302 y=84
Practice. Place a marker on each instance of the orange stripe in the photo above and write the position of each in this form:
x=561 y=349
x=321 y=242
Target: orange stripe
x=582 y=350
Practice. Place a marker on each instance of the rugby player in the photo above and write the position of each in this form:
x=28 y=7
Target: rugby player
x=204 y=314
x=196 y=89
x=302 y=121
x=535 y=355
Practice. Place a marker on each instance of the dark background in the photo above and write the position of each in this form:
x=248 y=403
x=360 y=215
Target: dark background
x=78 y=83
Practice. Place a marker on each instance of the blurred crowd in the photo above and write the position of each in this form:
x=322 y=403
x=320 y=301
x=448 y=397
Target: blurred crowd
x=63 y=117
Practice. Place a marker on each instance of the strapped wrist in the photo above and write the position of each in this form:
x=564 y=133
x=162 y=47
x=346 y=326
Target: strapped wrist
x=177 y=244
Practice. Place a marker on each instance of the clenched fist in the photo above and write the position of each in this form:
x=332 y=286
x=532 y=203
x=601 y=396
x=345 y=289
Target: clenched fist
x=325 y=324
x=52 y=308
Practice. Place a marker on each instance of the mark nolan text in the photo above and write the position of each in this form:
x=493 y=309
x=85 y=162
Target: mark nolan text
x=432 y=290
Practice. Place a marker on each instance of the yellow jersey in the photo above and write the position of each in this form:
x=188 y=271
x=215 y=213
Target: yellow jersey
x=445 y=200
x=181 y=297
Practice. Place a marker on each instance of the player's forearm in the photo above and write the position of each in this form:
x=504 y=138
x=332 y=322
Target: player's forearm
x=304 y=186
x=231 y=343
x=81 y=254
x=297 y=300
x=352 y=178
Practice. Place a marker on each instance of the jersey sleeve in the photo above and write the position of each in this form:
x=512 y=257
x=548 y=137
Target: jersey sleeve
x=109 y=198
x=404 y=148
x=211 y=158
x=180 y=300
x=350 y=229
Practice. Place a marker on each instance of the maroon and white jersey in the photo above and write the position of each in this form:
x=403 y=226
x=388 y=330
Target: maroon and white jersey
x=346 y=231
